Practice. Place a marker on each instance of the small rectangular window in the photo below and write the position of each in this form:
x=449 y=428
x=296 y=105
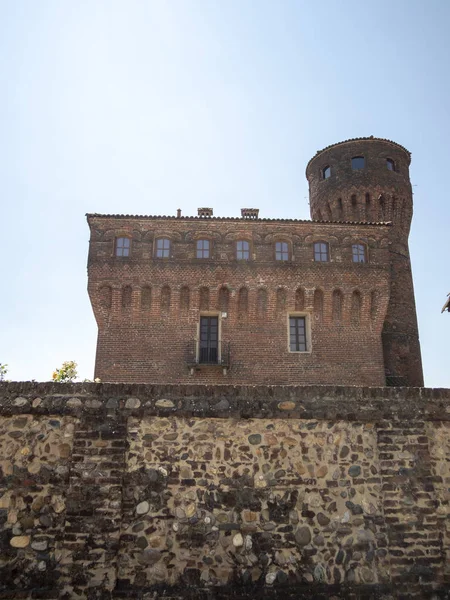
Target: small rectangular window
x=321 y=252
x=359 y=253
x=163 y=248
x=203 y=247
x=123 y=246
x=281 y=251
x=358 y=162
x=297 y=334
x=326 y=172
x=242 y=250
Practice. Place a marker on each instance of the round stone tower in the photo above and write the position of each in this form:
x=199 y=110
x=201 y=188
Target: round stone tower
x=367 y=180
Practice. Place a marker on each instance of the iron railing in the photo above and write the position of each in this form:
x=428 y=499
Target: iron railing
x=212 y=354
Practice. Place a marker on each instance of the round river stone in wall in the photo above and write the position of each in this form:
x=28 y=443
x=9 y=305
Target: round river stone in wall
x=287 y=405
x=254 y=438
x=39 y=545
x=149 y=556
x=303 y=536
x=322 y=519
x=132 y=403
x=20 y=541
x=354 y=471
x=164 y=404
x=142 y=508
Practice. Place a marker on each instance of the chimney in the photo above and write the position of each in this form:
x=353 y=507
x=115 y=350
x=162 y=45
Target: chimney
x=178 y=213
x=205 y=212
x=249 y=213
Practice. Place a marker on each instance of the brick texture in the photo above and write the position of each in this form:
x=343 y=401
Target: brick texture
x=376 y=193
x=360 y=316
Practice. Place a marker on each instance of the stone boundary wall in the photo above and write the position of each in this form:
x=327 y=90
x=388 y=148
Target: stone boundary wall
x=152 y=491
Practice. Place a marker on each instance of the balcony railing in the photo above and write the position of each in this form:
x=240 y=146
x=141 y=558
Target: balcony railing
x=217 y=354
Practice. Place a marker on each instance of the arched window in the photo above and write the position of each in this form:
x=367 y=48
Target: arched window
x=281 y=300
x=126 y=296
x=321 y=252
x=326 y=172
x=318 y=305
x=184 y=299
x=203 y=249
x=163 y=248
x=204 y=298
x=300 y=299
x=390 y=164
x=261 y=308
x=356 y=308
x=359 y=253
x=105 y=296
x=281 y=251
x=337 y=304
x=243 y=303
x=358 y=162
x=242 y=250
x=165 y=300
x=224 y=299
x=123 y=246
x=146 y=297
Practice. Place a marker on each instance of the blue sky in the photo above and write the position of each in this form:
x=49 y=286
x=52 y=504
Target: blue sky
x=143 y=107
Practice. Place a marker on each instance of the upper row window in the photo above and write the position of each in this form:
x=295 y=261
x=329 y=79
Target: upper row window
x=321 y=250
x=358 y=162
x=243 y=250
x=203 y=247
x=163 y=248
x=123 y=246
x=359 y=253
x=321 y=253
x=281 y=251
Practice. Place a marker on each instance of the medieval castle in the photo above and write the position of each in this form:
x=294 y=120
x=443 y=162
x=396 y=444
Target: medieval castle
x=272 y=453
x=250 y=300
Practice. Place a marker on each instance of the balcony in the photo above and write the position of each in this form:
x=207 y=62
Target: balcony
x=199 y=355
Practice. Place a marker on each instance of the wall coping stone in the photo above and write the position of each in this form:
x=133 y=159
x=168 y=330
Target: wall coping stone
x=321 y=402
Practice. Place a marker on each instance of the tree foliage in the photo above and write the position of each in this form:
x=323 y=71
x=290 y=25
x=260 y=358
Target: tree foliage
x=66 y=373
x=3 y=371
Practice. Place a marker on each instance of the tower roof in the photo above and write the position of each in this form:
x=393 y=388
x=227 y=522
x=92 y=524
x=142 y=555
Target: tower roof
x=359 y=139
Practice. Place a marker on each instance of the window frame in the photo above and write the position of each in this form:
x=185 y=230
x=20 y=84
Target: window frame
x=359 y=245
x=209 y=314
x=358 y=158
x=248 y=250
x=117 y=247
x=327 y=245
x=202 y=250
x=391 y=161
x=169 y=249
x=307 y=331
x=325 y=170
x=288 y=251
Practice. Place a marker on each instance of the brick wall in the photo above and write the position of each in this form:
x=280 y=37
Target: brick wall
x=376 y=193
x=148 y=309
x=142 y=491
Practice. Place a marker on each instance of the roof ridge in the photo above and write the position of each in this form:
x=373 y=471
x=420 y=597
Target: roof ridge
x=240 y=219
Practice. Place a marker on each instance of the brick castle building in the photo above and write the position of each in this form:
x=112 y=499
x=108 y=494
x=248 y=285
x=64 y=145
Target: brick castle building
x=250 y=300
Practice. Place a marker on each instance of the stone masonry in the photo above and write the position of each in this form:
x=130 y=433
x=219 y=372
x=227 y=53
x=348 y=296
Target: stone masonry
x=165 y=491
